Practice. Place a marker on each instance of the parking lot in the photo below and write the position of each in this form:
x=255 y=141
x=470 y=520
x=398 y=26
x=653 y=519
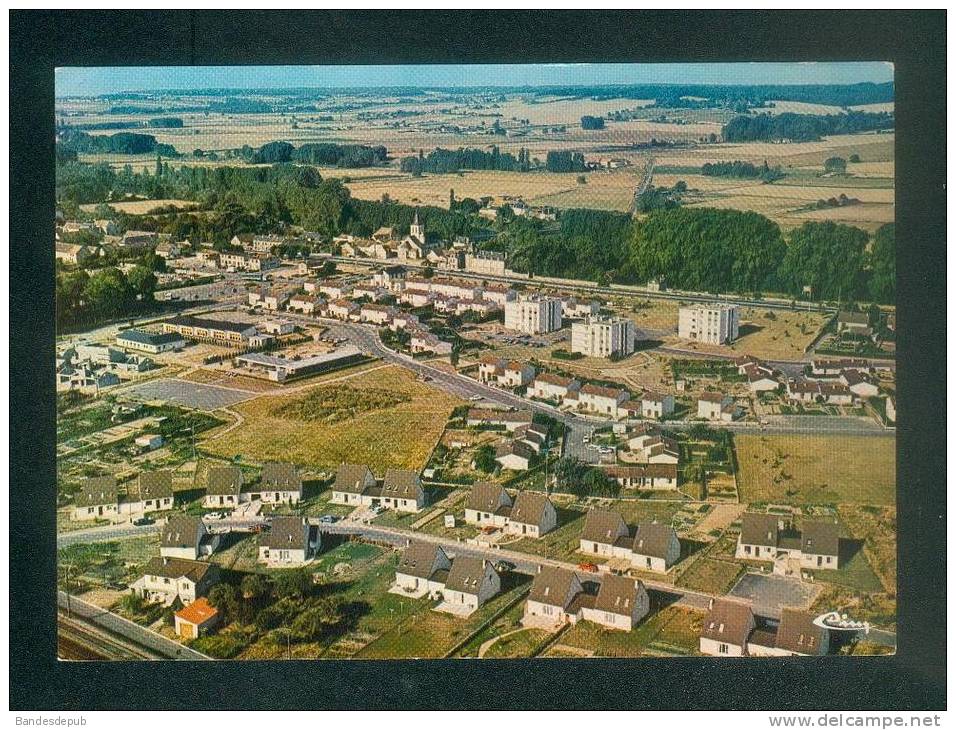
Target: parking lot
x=771 y=593
x=191 y=395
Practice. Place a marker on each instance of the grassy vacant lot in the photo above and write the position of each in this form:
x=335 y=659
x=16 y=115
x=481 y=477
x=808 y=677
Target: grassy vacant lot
x=710 y=575
x=667 y=631
x=400 y=436
x=423 y=633
x=816 y=469
x=876 y=527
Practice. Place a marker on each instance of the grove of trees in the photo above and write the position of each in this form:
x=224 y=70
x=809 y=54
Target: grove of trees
x=803 y=127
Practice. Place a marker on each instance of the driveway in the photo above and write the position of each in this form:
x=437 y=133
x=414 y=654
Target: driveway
x=771 y=593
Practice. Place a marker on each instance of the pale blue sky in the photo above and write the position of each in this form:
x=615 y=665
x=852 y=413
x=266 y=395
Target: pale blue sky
x=101 y=80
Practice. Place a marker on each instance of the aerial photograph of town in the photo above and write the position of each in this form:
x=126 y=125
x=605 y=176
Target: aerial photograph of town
x=490 y=362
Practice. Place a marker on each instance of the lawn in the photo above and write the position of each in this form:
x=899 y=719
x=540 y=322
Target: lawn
x=522 y=643
x=876 y=527
x=817 y=469
x=710 y=576
x=401 y=435
x=423 y=633
x=856 y=574
x=665 y=632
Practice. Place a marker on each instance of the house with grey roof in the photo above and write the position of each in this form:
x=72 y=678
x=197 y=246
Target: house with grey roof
x=471 y=583
x=279 y=483
x=98 y=497
x=795 y=634
x=290 y=542
x=422 y=570
x=532 y=515
x=655 y=547
x=155 y=491
x=165 y=579
x=186 y=536
x=551 y=602
x=727 y=628
x=488 y=505
x=151 y=342
x=605 y=534
x=223 y=487
x=402 y=491
x=621 y=602
x=816 y=546
x=352 y=483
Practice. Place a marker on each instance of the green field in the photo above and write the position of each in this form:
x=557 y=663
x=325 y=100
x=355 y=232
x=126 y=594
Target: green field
x=817 y=469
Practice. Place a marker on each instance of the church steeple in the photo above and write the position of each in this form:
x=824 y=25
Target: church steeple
x=417 y=230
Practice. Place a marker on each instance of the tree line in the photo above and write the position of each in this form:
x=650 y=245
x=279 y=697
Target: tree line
x=803 y=127
x=126 y=143
x=441 y=161
x=741 y=169
x=324 y=153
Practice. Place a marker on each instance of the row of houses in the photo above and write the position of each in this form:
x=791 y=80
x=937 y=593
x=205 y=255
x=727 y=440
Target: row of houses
x=557 y=596
x=101 y=498
x=88 y=367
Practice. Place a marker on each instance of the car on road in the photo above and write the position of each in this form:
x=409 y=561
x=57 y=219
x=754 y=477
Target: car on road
x=328 y=519
x=476 y=397
x=588 y=567
x=144 y=521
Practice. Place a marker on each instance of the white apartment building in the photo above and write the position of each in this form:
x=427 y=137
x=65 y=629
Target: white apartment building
x=714 y=324
x=533 y=314
x=603 y=337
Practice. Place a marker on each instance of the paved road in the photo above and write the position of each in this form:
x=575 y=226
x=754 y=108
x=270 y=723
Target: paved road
x=104 y=534
x=103 y=619
x=524 y=562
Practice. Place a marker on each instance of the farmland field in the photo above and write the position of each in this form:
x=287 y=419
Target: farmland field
x=816 y=469
x=409 y=429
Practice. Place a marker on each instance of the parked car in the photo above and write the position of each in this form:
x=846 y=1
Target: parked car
x=144 y=521
x=588 y=567
x=328 y=519
x=214 y=516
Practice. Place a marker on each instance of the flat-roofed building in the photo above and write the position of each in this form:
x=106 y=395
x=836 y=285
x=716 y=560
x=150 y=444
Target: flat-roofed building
x=603 y=337
x=713 y=324
x=533 y=314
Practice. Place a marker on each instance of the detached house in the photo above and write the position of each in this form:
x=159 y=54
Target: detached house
x=727 y=628
x=656 y=405
x=290 y=542
x=352 y=482
x=471 y=583
x=279 y=484
x=98 y=497
x=767 y=537
x=859 y=383
x=423 y=569
x=224 y=487
x=655 y=547
x=488 y=504
x=186 y=536
x=511 y=420
x=795 y=635
x=715 y=407
x=402 y=490
x=155 y=491
x=644 y=476
x=605 y=534
x=514 y=455
x=166 y=579
x=532 y=515
x=552 y=598
x=621 y=602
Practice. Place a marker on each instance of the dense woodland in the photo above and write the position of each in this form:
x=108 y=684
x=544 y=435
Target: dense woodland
x=803 y=127
x=441 y=161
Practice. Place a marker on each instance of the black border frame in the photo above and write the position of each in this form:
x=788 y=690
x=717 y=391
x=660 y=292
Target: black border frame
x=914 y=40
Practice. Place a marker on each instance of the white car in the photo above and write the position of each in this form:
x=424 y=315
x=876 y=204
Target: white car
x=215 y=516
x=476 y=397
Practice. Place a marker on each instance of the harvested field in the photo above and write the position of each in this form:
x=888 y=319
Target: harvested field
x=816 y=469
